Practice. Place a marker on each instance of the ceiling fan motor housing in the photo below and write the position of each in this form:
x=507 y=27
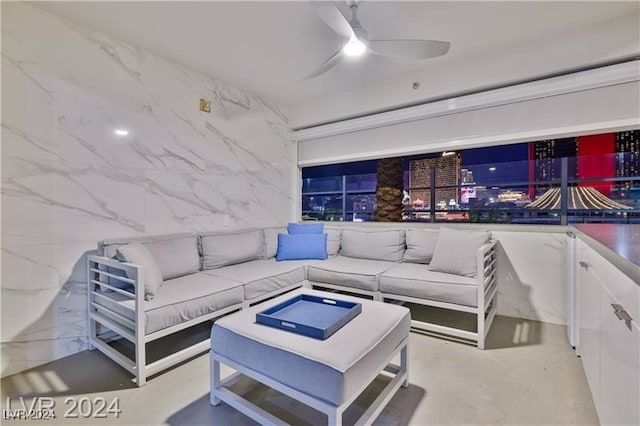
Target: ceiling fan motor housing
x=359 y=32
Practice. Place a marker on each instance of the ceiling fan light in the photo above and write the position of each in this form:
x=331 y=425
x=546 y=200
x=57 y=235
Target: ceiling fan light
x=354 y=47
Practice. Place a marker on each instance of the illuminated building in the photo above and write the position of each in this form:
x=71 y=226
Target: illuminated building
x=597 y=156
x=596 y=161
x=466 y=176
x=448 y=171
x=627 y=159
x=547 y=165
x=579 y=198
x=511 y=196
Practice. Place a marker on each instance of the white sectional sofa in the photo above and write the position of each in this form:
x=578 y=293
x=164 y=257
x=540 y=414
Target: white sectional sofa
x=193 y=278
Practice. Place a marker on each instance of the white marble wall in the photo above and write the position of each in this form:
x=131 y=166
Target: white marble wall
x=532 y=275
x=69 y=181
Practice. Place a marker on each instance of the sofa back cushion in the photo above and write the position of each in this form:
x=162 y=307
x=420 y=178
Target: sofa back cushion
x=271 y=241
x=175 y=254
x=421 y=243
x=457 y=251
x=220 y=250
x=333 y=241
x=385 y=244
x=108 y=248
x=175 y=257
x=139 y=254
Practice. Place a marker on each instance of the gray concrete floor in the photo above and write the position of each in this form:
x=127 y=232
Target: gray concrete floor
x=527 y=375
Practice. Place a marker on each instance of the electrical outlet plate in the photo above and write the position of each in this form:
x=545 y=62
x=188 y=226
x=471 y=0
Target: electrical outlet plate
x=205 y=105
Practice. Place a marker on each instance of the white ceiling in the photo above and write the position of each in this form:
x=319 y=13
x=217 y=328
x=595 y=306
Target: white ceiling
x=268 y=47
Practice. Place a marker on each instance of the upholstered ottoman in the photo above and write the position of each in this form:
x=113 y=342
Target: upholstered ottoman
x=327 y=375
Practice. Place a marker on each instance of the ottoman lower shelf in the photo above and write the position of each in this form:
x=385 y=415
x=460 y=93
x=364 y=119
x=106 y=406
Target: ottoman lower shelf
x=329 y=383
x=334 y=413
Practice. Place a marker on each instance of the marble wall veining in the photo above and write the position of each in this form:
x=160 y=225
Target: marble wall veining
x=69 y=181
x=532 y=275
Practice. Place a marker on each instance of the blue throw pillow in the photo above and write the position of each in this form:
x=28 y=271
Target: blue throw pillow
x=296 y=228
x=302 y=246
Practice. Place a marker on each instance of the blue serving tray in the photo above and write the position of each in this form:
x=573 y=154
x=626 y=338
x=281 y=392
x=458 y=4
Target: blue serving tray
x=313 y=316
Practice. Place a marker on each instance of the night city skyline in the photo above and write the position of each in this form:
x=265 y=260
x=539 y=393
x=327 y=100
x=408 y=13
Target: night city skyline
x=506 y=177
x=493 y=156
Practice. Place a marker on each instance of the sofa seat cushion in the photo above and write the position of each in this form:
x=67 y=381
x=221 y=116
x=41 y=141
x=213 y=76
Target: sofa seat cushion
x=349 y=272
x=180 y=300
x=262 y=276
x=416 y=280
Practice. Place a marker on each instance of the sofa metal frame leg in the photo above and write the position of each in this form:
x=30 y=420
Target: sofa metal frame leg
x=404 y=364
x=481 y=324
x=141 y=364
x=92 y=334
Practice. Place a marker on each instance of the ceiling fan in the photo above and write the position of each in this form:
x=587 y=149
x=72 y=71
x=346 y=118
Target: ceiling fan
x=356 y=41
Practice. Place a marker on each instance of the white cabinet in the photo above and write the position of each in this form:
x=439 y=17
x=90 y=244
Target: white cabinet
x=609 y=338
x=619 y=365
x=589 y=337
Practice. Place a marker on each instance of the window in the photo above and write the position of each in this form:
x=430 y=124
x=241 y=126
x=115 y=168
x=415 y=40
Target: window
x=592 y=178
x=349 y=194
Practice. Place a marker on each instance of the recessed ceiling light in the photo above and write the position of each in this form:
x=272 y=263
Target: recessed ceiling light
x=121 y=132
x=354 y=47
x=492 y=169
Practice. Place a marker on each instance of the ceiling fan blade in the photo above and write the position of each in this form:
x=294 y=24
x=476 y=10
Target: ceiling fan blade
x=326 y=65
x=409 y=49
x=330 y=14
